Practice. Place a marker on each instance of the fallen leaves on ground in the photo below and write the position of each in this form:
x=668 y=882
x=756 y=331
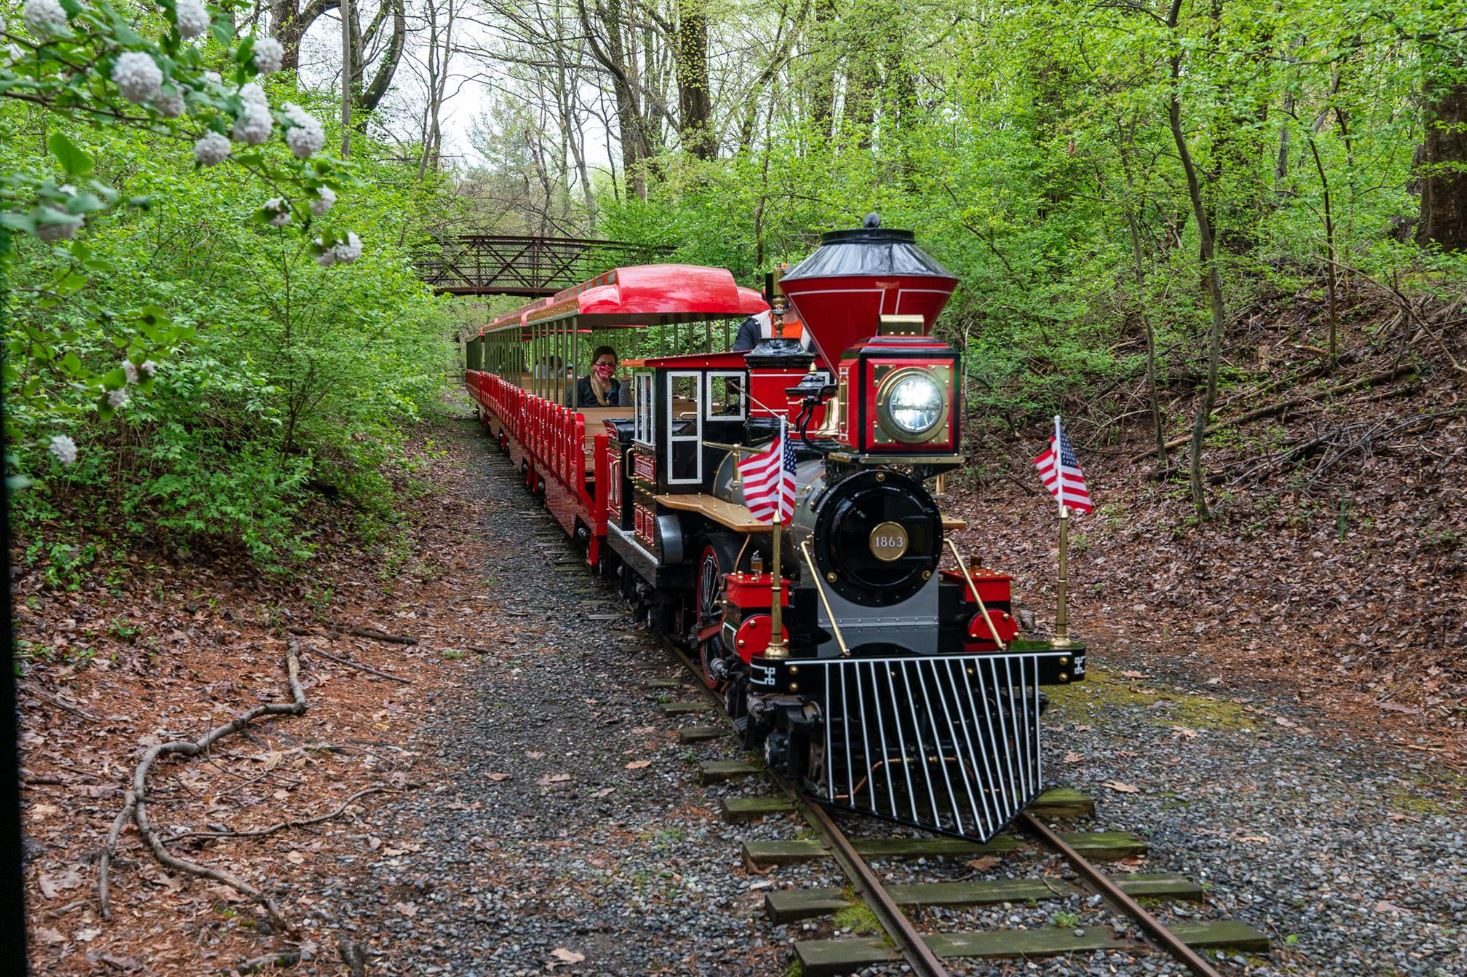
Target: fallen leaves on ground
x=1122 y=788
x=174 y=647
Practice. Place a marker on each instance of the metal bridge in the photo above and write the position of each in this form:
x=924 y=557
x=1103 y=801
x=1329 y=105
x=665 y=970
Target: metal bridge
x=492 y=264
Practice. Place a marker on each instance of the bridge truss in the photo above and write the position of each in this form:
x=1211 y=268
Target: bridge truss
x=485 y=264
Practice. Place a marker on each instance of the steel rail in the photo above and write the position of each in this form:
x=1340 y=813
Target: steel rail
x=1154 y=928
x=914 y=949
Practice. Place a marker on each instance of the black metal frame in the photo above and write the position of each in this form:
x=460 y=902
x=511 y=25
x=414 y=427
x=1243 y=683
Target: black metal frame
x=533 y=267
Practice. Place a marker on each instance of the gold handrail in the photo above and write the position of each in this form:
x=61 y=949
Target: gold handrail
x=825 y=601
x=982 y=608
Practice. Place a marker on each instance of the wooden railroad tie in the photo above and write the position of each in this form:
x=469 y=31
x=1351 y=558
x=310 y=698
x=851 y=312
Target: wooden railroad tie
x=1102 y=846
x=819 y=958
x=684 y=708
x=717 y=771
x=698 y=734
x=788 y=905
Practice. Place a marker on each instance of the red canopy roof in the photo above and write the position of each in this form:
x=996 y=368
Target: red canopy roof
x=642 y=295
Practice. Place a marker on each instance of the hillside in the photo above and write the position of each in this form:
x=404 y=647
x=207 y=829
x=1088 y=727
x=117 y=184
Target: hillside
x=1335 y=559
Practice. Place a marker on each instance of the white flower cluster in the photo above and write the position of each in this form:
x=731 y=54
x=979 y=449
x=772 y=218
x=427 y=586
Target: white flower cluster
x=253 y=124
x=63 y=448
x=280 y=211
x=340 y=254
x=149 y=368
x=45 y=18
x=137 y=76
x=191 y=17
x=325 y=197
x=168 y=104
x=214 y=76
x=212 y=149
x=269 y=55
x=130 y=371
x=303 y=134
x=117 y=398
x=60 y=228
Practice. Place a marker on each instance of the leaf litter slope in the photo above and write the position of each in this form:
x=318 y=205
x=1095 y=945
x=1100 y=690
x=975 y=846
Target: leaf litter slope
x=1336 y=573
x=165 y=651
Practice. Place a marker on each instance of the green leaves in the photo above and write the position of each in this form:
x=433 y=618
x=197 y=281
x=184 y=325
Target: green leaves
x=73 y=160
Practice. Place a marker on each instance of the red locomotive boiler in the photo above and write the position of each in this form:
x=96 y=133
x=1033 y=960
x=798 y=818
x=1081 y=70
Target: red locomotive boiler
x=881 y=681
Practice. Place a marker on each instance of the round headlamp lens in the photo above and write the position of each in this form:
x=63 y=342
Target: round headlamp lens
x=914 y=405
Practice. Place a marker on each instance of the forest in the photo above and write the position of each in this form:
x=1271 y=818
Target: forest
x=1120 y=187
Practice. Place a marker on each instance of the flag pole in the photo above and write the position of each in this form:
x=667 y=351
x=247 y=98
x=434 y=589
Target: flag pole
x=1061 y=614
x=778 y=647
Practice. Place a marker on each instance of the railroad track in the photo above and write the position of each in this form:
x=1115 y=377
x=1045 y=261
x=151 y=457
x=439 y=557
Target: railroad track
x=902 y=940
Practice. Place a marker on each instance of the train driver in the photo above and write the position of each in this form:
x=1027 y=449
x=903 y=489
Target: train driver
x=600 y=388
x=761 y=326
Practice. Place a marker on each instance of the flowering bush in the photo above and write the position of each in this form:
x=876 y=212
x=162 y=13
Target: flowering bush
x=88 y=65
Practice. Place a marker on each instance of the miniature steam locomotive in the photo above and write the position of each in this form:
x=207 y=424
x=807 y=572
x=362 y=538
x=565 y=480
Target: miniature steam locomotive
x=880 y=680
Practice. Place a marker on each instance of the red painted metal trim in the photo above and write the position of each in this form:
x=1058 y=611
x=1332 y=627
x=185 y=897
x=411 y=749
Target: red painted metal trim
x=699 y=361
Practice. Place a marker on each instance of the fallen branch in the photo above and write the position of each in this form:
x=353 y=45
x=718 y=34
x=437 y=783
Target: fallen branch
x=1273 y=410
x=56 y=701
x=283 y=825
x=135 y=808
x=272 y=961
x=360 y=667
x=373 y=633
x=1412 y=425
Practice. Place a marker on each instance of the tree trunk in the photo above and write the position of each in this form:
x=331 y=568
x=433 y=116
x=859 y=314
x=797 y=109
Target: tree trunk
x=635 y=147
x=1212 y=278
x=371 y=95
x=291 y=24
x=691 y=54
x=822 y=85
x=1444 y=168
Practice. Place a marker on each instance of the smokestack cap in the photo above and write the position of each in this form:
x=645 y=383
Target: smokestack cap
x=868 y=250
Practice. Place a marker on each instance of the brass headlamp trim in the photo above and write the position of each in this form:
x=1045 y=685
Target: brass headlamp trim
x=887 y=430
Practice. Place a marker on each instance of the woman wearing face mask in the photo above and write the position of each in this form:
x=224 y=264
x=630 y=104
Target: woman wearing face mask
x=600 y=388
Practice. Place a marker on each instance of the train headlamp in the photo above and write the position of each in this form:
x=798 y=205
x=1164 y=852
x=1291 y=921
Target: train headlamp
x=911 y=404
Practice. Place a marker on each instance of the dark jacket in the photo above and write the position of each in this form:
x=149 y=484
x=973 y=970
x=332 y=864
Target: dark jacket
x=586 y=397
x=748 y=336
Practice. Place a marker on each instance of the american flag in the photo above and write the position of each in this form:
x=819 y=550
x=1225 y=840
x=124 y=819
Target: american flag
x=1062 y=475
x=769 y=479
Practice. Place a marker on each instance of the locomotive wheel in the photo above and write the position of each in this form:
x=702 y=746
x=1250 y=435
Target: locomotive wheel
x=715 y=560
